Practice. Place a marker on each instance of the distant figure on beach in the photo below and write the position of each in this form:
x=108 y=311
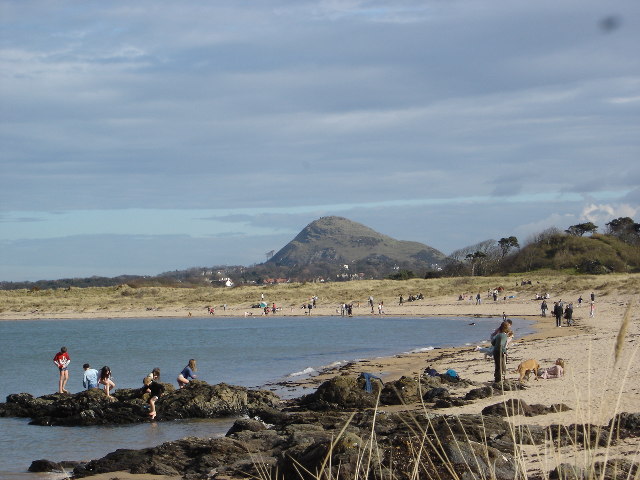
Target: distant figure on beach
x=478 y=299
x=380 y=308
x=544 y=308
x=401 y=300
x=155 y=389
x=580 y=300
x=593 y=297
x=90 y=377
x=187 y=374
x=62 y=361
x=106 y=380
x=568 y=314
x=556 y=371
x=557 y=312
x=592 y=309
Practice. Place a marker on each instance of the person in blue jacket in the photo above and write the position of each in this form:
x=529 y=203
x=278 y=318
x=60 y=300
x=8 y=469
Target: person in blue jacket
x=90 y=378
x=187 y=374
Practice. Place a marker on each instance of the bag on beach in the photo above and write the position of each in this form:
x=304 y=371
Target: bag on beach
x=452 y=373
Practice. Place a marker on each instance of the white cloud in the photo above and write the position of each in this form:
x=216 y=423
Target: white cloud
x=601 y=214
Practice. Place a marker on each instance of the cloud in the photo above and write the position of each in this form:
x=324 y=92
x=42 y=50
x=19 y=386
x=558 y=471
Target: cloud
x=604 y=213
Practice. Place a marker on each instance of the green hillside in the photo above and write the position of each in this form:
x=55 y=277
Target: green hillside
x=596 y=254
x=337 y=240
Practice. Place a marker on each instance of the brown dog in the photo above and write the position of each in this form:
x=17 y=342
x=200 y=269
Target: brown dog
x=526 y=367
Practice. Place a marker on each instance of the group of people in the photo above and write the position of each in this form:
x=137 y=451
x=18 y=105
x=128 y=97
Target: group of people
x=411 y=298
x=561 y=311
x=95 y=379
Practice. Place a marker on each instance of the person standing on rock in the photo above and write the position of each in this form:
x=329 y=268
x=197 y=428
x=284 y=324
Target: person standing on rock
x=105 y=379
x=62 y=361
x=187 y=374
x=154 y=388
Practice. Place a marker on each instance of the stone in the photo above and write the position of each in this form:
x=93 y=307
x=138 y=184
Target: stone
x=126 y=406
x=45 y=466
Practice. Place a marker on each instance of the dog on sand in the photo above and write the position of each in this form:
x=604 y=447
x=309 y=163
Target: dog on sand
x=526 y=367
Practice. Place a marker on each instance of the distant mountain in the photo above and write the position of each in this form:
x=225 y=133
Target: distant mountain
x=340 y=241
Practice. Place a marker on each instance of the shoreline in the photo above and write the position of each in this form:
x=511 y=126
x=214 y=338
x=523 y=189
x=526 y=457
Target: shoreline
x=595 y=385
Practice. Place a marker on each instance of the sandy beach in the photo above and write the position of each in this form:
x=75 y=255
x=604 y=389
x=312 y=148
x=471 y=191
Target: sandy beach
x=595 y=385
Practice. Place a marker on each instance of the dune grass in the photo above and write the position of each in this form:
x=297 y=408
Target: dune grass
x=126 y=298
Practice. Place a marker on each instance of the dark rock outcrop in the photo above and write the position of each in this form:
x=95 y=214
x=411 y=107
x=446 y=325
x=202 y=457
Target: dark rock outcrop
x=39 y=466
x=345 y=392
x=93 y=407
x=613 y=469
x=337 y=443
x=513 y=407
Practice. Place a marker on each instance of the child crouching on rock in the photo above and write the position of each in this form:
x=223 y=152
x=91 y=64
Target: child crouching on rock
x=154 y=389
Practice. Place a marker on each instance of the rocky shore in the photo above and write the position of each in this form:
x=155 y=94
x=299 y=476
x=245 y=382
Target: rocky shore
x=341 y=430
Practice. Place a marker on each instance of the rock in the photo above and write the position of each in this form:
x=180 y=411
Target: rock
x=613 y=469
x=93 y=407
x=45 y=466
x=478 y=393
x=438 y=392
x=508 y=386
x=403 y=391
x=449 y=402
x=474 y=460
x=244 y=424
x=629 y=423
x=513 y=407
x=341 y=392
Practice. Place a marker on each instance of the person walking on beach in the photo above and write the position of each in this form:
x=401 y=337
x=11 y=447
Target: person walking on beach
x=557 y=312
x=478 y=299
x=593 y=297
x=62 y=361
x=499 y=344
x=568 y=314
x=544 y=308
x=90 y=377
x=592 y=309
x=187 y=374
x=106 y=381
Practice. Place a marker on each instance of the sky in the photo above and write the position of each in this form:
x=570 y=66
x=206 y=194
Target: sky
x=150 y=136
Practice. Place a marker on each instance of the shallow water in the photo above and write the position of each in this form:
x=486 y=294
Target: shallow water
x=248 y=351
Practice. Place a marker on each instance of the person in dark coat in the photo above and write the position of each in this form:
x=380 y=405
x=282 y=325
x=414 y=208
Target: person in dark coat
x=557 y=312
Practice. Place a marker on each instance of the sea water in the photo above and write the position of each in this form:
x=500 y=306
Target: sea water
x=259 y=351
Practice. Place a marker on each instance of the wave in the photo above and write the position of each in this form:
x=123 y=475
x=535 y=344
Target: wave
x=422 y=350
x=306 y=371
